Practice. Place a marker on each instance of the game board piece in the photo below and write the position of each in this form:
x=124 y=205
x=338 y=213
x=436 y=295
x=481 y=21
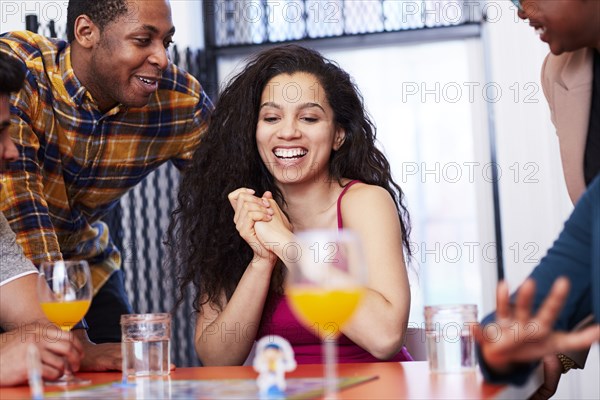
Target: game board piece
x=274 y=357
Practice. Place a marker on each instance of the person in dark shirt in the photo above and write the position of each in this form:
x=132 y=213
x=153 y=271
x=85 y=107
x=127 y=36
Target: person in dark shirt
x=571 y=83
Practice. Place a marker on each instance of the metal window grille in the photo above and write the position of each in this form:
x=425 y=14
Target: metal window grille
x=243 y=22
x=138 y=226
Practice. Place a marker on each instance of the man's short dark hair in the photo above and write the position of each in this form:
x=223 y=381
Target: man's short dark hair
x=101 y=12
x=11 y=74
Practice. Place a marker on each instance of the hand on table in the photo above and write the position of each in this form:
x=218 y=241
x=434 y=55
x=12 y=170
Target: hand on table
x=99 y=357
x=517 y=336
x=103 y=356
x=53 y=346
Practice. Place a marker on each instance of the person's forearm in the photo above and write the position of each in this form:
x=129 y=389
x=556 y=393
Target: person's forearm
x=379 y=326
x=380 y=323
x=229 y=338
x=15 y=314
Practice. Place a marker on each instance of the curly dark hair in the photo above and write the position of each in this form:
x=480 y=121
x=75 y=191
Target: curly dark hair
x=12 y=74
x=208 y=250
x=101 y=12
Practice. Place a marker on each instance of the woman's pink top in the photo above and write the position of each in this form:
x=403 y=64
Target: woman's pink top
x=306 y=345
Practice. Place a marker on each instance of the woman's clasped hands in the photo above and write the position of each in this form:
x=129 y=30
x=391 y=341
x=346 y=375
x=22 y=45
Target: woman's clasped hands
x=261 y=223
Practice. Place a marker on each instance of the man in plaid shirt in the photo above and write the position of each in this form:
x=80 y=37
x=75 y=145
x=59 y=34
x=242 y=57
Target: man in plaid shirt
x=96 y=115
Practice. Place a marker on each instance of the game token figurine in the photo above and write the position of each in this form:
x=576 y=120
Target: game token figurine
x=274 y=357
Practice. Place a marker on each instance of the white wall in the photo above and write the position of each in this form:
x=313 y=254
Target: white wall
x=535 y=204
x=12 y=14
x=188 y=21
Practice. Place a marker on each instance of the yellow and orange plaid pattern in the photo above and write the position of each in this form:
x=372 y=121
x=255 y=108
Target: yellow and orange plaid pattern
x=76 y=162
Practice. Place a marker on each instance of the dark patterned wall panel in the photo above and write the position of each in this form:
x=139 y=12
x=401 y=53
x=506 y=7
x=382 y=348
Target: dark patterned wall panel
x=149 y=273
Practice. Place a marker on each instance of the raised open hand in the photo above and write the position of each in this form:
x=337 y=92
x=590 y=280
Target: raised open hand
x=517 y=336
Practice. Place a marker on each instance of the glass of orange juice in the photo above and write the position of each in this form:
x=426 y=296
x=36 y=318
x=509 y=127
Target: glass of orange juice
x=65 y=292
x=324 y=288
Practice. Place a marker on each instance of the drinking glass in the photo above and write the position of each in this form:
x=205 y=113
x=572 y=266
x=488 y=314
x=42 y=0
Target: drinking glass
x=324 y=288
x=65 y=292
x=450 y=341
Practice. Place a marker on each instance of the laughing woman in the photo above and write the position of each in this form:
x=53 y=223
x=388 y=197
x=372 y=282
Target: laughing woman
x=289 y=138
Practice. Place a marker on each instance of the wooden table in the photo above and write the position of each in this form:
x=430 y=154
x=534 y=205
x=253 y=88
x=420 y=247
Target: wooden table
x=395 y=381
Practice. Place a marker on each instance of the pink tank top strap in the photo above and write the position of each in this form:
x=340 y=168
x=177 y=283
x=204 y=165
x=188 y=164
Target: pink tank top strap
x=339 y=202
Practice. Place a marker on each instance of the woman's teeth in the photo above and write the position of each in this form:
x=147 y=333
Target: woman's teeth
x=289 y=153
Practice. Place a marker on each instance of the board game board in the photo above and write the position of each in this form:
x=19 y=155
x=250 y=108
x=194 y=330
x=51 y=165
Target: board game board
x=297 y=388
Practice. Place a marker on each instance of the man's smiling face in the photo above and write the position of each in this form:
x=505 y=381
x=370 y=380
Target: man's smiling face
x=131 y=55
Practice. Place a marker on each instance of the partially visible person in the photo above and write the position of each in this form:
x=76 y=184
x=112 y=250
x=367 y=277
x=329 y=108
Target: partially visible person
x=561 y=291
x=97 y=114
x=20 y=313
x=571 y=83
x=290 y=147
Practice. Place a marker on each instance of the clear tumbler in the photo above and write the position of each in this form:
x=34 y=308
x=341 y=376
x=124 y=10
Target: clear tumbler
x=450 y=341
x=146 y=344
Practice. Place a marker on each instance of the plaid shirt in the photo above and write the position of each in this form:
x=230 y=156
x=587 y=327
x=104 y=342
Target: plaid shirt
x=76 y=162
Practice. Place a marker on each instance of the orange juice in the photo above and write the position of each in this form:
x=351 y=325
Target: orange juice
x=66 y=314
x=324 y=310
